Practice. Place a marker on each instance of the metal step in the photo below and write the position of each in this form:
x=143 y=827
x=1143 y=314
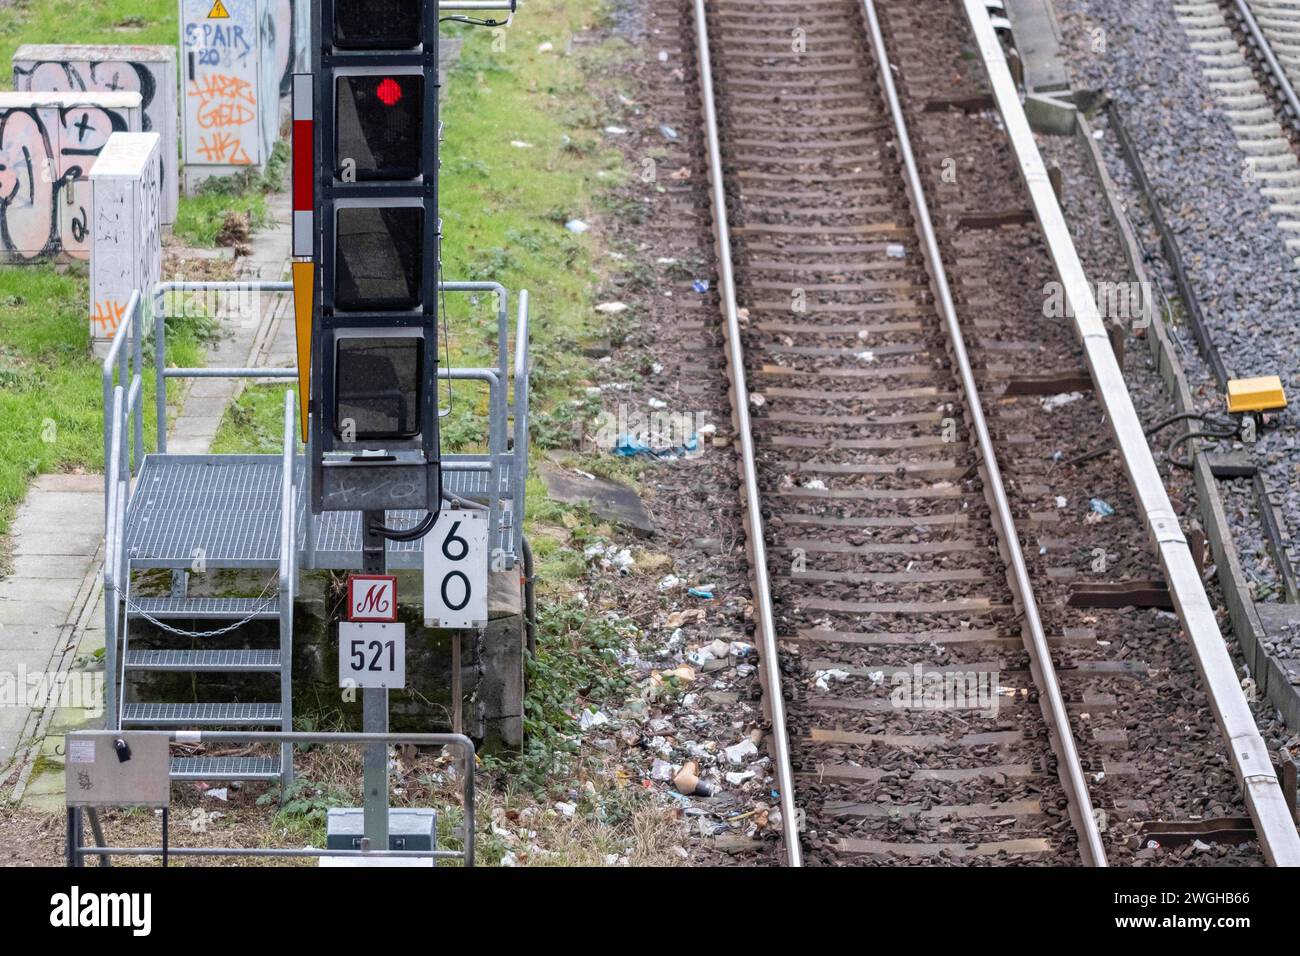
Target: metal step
x=225 y=768
x=229 y=661
x=206 y=609
x=185 y=715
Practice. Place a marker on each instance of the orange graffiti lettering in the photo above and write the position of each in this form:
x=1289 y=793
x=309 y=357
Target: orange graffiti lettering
x=223 y=148
x=107 y=317
x=224 y=101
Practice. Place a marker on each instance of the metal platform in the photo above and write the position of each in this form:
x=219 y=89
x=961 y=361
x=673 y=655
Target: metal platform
x=225 y=768
x=207 y=608
x=237 y=661
x=205 y=715
x=252 y=512
x=224 y=512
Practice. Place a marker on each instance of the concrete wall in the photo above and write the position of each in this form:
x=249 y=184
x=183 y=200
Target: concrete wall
x=48 y=146
x=147 y=70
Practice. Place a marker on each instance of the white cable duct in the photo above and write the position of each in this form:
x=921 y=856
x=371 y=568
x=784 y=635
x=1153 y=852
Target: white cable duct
x=1246 y=749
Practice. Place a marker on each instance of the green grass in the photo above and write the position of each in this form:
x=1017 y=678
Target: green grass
x=50 y=384
x=76 y=21
x=200 y=217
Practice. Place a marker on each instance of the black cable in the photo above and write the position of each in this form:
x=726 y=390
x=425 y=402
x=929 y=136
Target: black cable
x=1158 y=426
x=1179 y=439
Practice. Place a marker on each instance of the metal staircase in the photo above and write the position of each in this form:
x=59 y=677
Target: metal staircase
x=250 y=512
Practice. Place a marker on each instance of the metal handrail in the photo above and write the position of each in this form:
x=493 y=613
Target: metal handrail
x=162 y=372
x=1091 y=848
x=771 y=670
x=123 y=366
x=76 y=853
x=520 y=410
x=115 y=490
x=288 y=576
x=1246 y=748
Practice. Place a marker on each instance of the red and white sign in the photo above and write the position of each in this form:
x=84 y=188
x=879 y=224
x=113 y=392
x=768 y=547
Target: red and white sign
x=372 y=597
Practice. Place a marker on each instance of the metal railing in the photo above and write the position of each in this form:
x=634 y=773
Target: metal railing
x=288 y=577
x=77 y=852
x=124 y=366
x=501 y=408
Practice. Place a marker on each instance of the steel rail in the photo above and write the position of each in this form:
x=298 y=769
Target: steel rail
x=771 y=669
x=1091 y=849
x=1264 y=48
x=1247 y=751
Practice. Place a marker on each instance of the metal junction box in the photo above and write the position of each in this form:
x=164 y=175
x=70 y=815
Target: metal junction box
x=408 y=829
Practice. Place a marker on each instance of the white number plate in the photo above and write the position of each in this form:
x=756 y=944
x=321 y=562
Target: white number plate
x=456 y=570
x=372 y=655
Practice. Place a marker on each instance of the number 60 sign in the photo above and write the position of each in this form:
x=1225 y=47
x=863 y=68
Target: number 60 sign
x=455 y=570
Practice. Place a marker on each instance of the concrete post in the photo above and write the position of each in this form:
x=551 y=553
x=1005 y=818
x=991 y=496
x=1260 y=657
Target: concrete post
x=126 y=229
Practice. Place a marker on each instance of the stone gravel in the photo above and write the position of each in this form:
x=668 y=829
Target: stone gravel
x=1245 y=278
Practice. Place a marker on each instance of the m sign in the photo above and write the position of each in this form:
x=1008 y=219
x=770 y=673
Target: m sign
x=372 y=597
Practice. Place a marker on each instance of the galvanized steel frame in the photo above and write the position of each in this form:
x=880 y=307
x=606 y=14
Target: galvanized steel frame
x=76 y=852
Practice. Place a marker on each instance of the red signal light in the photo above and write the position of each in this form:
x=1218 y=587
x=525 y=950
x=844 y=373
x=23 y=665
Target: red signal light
x=389 y=92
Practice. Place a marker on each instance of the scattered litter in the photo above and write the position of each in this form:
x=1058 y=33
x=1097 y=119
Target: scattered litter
x=682 y=174
x=577 y=226
x=1051 y=403
x=670 y=582
x=663 y=56
x=688 y=781
x=545 y=47
x=566 y=809
x=896 y=250
x=1101 y=507
x=612 y=308
x=822 y=679
x=668 y=131
x=661 y=770
x=610 y=557
x=1060 y=501
x=737 y=777
x=867 y=356
x=737 y=753
x=876 y=678
x=816 y=484
x=700 y=285
x=757 y=400
x=706 y=593
x=218 y=793
x=616 y=130
x=665 y=261
x=592 y=718
x=520 y=144
x=656 y=403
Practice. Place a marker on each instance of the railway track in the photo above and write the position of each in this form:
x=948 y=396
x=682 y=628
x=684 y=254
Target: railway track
x=948 y=678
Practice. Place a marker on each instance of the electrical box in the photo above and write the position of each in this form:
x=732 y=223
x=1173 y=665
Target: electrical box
x=237 y=62
x=408 y=829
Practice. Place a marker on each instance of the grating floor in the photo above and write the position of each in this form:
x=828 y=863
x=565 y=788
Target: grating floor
x=222 y=510
x=225 y=768
x=204 y=608
x=236 y=659
x=186 y=714
x=225 y=511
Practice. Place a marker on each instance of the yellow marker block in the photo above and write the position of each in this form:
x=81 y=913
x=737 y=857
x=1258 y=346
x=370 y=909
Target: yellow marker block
x=304 y=292
x=219 y=12
x=1256 y=394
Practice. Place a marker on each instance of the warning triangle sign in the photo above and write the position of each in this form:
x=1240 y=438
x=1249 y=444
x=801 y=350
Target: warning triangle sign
x=219 y=11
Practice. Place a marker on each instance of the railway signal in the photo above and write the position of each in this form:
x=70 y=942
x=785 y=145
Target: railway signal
x=366 y=211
